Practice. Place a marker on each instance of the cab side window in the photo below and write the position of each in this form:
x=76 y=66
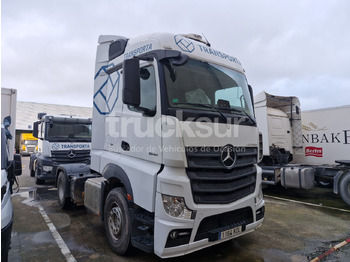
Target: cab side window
x=148 y=89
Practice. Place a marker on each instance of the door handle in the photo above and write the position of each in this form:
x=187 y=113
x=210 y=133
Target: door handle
x=125 y=146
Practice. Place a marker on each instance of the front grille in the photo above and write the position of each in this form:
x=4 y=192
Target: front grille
x=210 y=227
x=212 y=182
x=30 y=149
x=61 y=157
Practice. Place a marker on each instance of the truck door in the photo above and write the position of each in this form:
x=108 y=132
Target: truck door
x=140 y=131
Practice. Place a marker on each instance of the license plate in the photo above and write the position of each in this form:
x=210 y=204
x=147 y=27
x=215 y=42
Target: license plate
x=230 y=232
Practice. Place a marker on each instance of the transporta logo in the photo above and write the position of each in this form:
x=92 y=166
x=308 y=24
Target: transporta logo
x=185 y=44
x=313 y=151
x=106 y=96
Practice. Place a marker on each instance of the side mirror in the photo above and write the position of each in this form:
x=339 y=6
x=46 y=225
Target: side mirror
x=251 y=94
x=131 y=82
x=7 y=122
x=17 y=164
x=35 y=129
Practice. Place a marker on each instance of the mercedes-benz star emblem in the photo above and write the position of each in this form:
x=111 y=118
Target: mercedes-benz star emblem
x=228 y=156
x=71 y=154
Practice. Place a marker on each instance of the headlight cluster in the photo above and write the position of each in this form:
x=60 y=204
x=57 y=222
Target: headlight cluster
x=47 y=168
x=176 y=207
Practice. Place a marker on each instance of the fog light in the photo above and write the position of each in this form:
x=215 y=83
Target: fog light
x=176 y=207
x=178 y=237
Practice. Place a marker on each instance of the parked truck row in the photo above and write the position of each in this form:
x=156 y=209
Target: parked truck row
x=169 y=161
x=300 y=149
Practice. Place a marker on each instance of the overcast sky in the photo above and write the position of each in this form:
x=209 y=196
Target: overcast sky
x=293 y=48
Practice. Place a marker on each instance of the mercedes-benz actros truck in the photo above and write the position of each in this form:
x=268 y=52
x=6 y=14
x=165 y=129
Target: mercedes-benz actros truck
x=61 y=139
x=175 y=147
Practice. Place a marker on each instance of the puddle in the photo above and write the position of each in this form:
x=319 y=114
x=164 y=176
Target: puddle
x=34 y=195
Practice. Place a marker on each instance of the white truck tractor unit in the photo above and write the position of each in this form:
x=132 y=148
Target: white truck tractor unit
x=61 y=139
x=301 y=148
x=175 y=147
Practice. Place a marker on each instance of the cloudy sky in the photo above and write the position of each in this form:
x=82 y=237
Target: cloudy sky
x=293 y=48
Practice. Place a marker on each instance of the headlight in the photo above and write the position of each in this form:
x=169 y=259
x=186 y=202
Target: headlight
x=176 y=207
x=47 y=168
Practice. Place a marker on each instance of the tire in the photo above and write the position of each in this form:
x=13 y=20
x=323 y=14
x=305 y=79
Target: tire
x=31 y=167
x=64 y=201
x=117 y=221
x=344 y=188
x=38 y=181
x=32 y=173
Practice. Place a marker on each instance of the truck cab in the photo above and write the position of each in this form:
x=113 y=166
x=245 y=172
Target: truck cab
x=61 y=139
x=28 y=144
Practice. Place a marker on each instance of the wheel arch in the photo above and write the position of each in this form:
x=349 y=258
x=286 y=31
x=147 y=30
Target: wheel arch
x=116 y=177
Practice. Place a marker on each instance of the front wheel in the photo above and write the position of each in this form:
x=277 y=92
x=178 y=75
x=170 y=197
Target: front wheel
x=64 y=201
x=32 y=173
x=117 y=221
x=344 y=188
x=38 y=181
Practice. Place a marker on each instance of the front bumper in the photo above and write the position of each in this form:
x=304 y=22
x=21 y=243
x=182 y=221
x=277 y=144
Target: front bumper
x=198 y=239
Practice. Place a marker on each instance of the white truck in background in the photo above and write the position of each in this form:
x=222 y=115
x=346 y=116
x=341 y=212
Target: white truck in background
x=174 y=147
x=11 y=166
x=61 y=139
x=301 y=148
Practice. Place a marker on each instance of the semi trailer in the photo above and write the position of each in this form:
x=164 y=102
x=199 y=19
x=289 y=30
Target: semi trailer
x=301 y=149
x=11 y=166
x=174 y=150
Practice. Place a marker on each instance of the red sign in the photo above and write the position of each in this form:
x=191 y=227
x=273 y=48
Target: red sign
x=313 y=151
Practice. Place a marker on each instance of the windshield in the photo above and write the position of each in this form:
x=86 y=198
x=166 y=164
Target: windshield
x=31 y=142
x=198 y=83
x=69 y=131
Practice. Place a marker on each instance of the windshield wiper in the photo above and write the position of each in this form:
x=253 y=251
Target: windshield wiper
x=241 y=111
x=205 y=106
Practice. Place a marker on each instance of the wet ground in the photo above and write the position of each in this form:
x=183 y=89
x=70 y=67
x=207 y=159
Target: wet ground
x=299 y=225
